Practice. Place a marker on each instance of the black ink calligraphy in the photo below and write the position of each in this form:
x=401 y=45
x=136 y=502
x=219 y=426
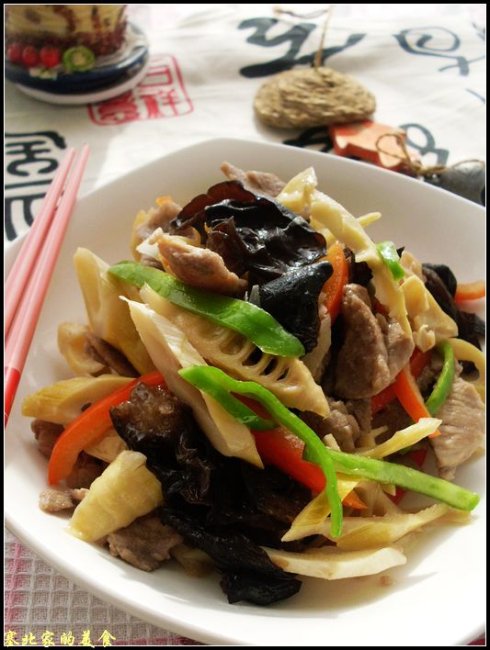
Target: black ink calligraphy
x=30 y=162
x=295 y=37
x=420 y=138
x=437 y=42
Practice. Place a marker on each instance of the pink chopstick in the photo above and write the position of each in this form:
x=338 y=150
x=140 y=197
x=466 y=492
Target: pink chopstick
x=22 y=267
x=19 y=337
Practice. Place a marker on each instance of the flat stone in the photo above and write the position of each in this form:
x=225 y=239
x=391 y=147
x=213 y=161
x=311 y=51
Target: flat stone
x=467 y=179
x=311 y=97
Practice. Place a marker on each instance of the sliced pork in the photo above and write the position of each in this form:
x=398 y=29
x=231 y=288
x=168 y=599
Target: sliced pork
x=157 y=218
x=373 y=351
x=46 y=434
x=198 y=267
x=145 y=543
x=462 y=431
x=111 y=357
x=53 y=500
x=56 y=500
x=258 y=182
x=340 y=423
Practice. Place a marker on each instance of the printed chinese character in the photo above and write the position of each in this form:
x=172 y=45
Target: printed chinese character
x=31 y=160
x=161 y=93
x=19 y=211
x=47 y=639
x=85 y=640
x=28 y=639
x=67 y=638
x=157 y=76
x=295 y=36
x=106 y=638
x=10 y=638
x=438 y=42
x=30 y=149
x=157 y=101
x=116 y=111
x=420 y=138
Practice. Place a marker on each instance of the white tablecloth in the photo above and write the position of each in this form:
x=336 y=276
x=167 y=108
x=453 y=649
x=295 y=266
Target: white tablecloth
x=425 y=65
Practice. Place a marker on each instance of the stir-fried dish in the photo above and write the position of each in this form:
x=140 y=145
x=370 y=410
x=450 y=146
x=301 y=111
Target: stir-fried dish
x=259 y=390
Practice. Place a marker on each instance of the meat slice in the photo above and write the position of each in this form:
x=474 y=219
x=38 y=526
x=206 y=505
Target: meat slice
x=394 y=417
x=52 y=500
x=340 y=423
x=46 y=434
x=86 y=470
x=145 y=543
x=257 y=182
x=55 y=500
x=362 y=363
x=399 y=346
x=108 y=355
x=361 y=410
x=199 y=267
x=373 y=351
x=156 y=218
x=462 y=428
x=147 y=222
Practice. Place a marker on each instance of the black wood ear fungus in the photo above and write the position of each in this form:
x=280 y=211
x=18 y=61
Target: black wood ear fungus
x=293 y=300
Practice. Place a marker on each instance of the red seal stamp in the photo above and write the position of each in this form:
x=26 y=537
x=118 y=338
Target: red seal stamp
x=161 y=93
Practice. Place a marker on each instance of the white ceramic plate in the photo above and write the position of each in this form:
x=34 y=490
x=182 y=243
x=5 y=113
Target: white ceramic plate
x=437 y=598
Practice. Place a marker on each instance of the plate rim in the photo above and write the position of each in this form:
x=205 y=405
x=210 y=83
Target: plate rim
x=178 y=626
x=341 y=160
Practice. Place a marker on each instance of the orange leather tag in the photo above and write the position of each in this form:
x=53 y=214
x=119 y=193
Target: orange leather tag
x=362 y=140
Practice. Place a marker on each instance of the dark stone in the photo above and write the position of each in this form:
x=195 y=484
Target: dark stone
x=467 y=179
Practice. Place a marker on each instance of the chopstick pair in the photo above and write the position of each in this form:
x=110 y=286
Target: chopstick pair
x=30 y=275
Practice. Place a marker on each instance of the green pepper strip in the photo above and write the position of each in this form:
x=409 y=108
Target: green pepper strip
x=389 y=255
x=253 y=322
x=203 y=377
x=241 y=412
x=445 y=380
x=349 y=464
x=405 y=477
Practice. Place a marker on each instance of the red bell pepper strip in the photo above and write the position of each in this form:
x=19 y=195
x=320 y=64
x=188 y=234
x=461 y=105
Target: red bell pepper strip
x=334 y=286
x=213 y=380
x=470 y=291
x=89 y=427
x=285 y=451
x=418 y=456
x=409 y=396
x=418 y=361
x=350 y=464
x=281 y=449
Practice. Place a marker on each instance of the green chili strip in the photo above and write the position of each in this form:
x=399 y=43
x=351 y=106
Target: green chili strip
x=254 y=323
x=405 y=477
x=445 y=380
x=203 y=377
x=329 y=459
x=239 y=410
x=389 y=255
